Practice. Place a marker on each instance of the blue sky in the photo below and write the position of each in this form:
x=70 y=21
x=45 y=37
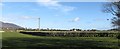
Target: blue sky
x=57 y=15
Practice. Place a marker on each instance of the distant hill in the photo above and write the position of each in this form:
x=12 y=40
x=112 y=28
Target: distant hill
x=9 y=25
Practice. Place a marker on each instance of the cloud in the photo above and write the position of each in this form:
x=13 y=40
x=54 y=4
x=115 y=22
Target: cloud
x=56 y=15
x=76 y=19
x=29 y=17
x=62 y=0
x=53 y=4
x=49 y=2
x=25 y=17
x=6 y=20
x=34 y=9
x=1 y=4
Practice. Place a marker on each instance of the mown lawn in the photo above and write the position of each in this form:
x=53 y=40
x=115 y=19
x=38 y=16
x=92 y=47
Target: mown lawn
x=15 y=40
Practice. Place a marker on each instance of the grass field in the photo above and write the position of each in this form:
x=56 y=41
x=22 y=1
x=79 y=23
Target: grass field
x=15 y=40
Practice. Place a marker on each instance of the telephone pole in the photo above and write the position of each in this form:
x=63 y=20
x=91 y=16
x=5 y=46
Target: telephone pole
x=38 y=23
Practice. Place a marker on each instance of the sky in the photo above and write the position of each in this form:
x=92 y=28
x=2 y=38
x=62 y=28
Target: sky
x=56 y=15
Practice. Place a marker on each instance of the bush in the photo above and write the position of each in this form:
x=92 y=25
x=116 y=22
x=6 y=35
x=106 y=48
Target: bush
x=118 y=36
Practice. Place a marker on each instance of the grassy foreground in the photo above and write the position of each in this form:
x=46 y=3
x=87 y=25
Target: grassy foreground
x=17 y=40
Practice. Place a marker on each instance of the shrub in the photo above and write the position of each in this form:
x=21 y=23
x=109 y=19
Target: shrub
x=118 y=36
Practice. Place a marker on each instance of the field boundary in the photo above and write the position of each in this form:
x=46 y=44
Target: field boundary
x=73 y=34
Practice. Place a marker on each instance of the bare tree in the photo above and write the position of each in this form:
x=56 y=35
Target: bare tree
x=116 y=22
x=114 y=9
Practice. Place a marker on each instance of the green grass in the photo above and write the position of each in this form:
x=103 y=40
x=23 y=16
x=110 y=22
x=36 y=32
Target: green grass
x=15 y=39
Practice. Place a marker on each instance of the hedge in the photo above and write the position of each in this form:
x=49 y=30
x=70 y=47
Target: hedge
x=74 y=34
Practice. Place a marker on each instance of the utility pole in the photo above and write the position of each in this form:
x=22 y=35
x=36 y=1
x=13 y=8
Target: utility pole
x=38 y=23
